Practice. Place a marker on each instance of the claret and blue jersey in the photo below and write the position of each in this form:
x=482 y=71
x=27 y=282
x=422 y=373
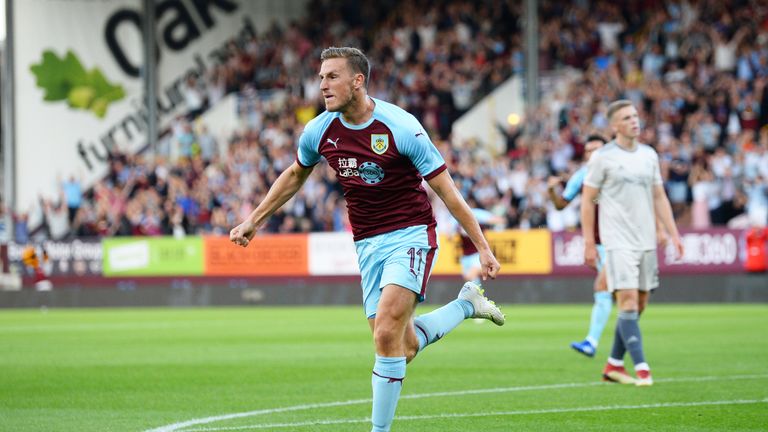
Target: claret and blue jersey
x=380 y=165
x=575 y=183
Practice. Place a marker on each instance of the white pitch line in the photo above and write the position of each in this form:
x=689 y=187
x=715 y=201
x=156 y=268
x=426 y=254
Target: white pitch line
x=206 y=420
x=491 y=414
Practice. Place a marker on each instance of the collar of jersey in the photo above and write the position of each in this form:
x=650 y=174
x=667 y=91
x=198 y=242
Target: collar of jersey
x=637 y=147
x=361 y=125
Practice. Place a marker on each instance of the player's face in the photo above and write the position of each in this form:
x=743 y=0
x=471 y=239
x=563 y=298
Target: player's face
x=590 y=147
x=626 y=122
x=337 y=83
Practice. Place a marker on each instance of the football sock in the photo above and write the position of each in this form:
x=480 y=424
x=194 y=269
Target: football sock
x=386 y=381
x=642 y=366
x=601 y=311
x=630 y=334
x=618 y=350
x=436 y=324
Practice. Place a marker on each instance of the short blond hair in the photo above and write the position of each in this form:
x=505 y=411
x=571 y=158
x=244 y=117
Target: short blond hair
x=617 y=105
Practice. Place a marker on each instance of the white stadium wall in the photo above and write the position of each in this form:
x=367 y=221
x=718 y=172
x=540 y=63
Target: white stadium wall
x=481 y=122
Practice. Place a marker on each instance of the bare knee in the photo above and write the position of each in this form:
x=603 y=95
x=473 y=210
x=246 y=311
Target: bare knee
x=383 y=336
x=629 y=305
x=393 y=314
x=628 y=300
x=388 y=337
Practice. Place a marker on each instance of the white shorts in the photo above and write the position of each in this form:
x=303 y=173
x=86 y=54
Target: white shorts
x=631 y=269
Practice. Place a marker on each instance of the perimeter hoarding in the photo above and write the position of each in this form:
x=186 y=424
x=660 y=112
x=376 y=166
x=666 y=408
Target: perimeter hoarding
x=332 y=254
x=153 y=256
x=266 y=255
x=518 y=252
x=78 y=85
x=714 y=250
x=79 y=257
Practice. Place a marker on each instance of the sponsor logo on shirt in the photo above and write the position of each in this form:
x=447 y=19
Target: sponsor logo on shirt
x=348 y=167
x=371 y=173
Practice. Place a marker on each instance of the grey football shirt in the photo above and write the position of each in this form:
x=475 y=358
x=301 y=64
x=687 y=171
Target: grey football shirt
x=625 y=180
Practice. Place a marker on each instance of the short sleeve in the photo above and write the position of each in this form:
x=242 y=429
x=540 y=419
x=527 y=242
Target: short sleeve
x=306 y=153
x=573 y=187
x=416 y=145
x=595 y=171
x=656 y=170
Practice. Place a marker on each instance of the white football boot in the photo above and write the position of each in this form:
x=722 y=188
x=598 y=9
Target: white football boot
x=484 y=308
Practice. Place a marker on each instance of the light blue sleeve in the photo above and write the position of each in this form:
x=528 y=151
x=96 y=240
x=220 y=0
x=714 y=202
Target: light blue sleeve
x=412 y=140
x=483 y=216
x=573 y=187
x=307 y=154
x=424 y=155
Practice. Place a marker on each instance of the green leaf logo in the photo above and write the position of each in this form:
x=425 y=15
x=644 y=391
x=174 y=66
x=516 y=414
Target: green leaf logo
x=66 y=79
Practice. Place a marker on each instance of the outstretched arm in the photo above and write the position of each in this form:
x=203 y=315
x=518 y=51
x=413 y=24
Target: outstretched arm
x=444 y=187
x=285 y=187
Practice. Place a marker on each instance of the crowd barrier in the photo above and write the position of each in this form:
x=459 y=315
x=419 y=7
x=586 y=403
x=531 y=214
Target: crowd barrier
x=520 y=252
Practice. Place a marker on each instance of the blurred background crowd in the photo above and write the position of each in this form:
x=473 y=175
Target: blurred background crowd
x=696 y=70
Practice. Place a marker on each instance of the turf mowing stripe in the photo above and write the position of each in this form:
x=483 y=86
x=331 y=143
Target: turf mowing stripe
x=491 y=414
x=206 y=420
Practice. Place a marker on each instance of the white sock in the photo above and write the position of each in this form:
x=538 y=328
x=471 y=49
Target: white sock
x=642 y=366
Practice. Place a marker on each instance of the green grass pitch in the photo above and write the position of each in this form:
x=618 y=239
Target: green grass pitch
x=308 y=369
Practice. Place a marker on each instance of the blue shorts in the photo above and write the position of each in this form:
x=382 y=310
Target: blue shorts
x=600 y=257
x=403 y=257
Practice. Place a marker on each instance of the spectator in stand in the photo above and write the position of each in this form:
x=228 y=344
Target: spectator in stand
x=695 y=70
x=73 y=194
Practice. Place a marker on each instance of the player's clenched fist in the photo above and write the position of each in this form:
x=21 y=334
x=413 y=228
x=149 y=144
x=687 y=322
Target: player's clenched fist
x=490 y=266
x=242 y=234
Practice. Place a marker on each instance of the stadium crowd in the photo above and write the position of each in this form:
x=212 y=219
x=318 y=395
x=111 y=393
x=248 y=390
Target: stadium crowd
x=696 y=71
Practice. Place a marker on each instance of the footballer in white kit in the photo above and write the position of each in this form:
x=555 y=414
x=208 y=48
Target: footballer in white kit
x=626 y=212
x=625 y=175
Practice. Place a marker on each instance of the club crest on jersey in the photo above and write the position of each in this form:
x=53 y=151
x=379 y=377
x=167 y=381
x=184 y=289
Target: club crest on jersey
x=379 y=143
